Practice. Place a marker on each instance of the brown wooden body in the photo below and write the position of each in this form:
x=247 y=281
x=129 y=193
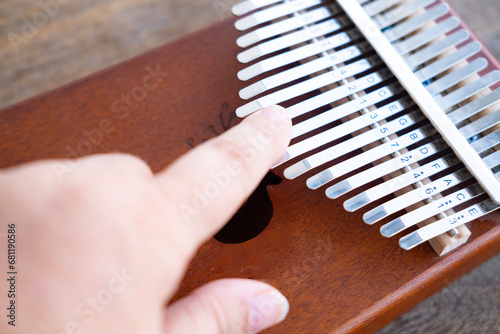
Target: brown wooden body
x=339 y=274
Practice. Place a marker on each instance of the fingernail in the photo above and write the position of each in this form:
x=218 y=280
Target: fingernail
x=278 y=113
x=284 y=305
x=267 y=310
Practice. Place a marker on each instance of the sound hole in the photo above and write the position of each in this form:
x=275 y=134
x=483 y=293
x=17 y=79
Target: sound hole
x=253 y=217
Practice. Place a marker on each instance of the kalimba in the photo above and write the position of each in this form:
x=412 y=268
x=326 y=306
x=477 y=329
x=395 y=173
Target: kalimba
x=403 y=78
x=379 y=91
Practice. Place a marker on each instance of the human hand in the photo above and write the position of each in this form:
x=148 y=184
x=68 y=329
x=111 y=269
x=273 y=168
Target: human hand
x=105 y=250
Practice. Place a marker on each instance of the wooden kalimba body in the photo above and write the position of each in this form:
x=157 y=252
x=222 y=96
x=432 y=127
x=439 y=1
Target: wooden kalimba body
x=395 y=79
x=339 y=274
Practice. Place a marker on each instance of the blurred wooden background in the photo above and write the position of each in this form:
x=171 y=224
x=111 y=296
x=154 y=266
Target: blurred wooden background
x=82 y=37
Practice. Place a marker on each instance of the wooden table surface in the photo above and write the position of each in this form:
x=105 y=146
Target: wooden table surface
x=41 y=52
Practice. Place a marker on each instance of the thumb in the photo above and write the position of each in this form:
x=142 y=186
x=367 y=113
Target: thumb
x=227 y=306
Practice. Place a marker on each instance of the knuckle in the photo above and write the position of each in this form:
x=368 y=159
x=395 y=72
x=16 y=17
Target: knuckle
x=241 y=155
x=229 y=150
x=76 y=191
x=227 y=315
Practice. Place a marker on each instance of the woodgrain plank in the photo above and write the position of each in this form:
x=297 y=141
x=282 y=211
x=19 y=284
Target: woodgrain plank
x=82 y=37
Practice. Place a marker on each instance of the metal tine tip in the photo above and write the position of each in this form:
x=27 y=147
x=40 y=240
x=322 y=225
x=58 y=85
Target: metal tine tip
x=401 y=202
x=443 y=204
x=291 y=39
x=295 y=55
x=444 y=225
x=301 y=71
x=285 y=26
x=313 y=84
x=418 y=215
x=248 y=6
x=272 y=13
x=447 y=62
x=399 y=182
x=416 y=195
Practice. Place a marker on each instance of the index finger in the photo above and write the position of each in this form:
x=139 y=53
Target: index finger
x=211 y=182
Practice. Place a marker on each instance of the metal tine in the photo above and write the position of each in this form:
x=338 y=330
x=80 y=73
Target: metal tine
x=303 y=70
x=482 y=124
x=273 y=13
x=314 y=83
x=326 y=117
x=430 y=189
x=442 y=204
x=338 y=93
x=297 y=54
x=379 y=6
x=391 y=165
x=337 y=151
x=434 y=50
x=377 y=171
x=465 y=92
x=457 y=76
x=443 y=64
x=400 y=13
x=247 y=6
x=489 y=140
x=394 y=184
x=403 y=201
x=413 y=24
x=362 y=2
x=399 y=182
x=437 y=207
x=293 y=38
x=474 y=107
x=446 y=224
x=492 y=159
x=485 y=143
x=422 y=38
x=419 y=194
x=320 y=100
x=287 y=25
x=353 y=106
x=459 y=143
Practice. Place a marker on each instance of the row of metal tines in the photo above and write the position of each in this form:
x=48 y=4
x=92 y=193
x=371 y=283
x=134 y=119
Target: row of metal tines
x=355 y=125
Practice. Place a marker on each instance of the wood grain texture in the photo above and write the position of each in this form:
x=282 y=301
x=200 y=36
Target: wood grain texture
x=85 y=37
x=80 y=38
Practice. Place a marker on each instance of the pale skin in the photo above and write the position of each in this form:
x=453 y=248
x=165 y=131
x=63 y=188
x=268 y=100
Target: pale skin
x=104 y=249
